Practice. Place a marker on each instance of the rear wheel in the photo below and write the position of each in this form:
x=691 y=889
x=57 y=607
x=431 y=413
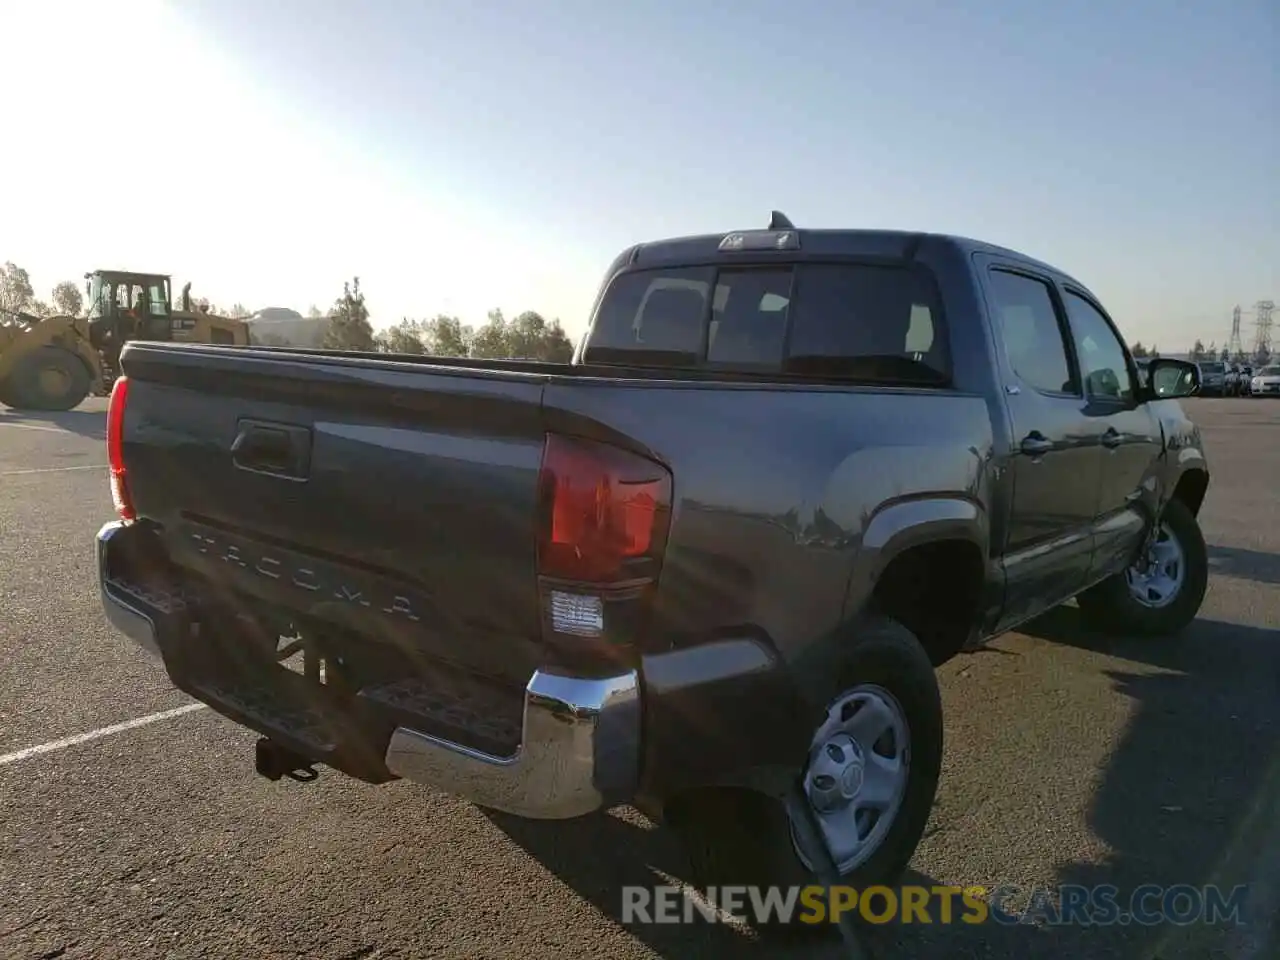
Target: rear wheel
x=869 y=778
x=1162 y=592
x=49 y=378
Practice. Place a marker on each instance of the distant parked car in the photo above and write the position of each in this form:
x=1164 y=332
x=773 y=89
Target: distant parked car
x=1266 y=382
x=1213 y=378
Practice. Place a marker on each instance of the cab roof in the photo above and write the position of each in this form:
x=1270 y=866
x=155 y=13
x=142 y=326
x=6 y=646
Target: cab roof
x=128 y=275
x=825 y=242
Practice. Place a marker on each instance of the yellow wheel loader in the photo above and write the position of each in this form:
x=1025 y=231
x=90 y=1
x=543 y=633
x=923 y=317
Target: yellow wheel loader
x=46 y=363
x=53 y=363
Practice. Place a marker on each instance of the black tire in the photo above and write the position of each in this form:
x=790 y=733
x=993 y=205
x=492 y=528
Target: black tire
x=740 y=837
x=1111 y=606
x=30 y=380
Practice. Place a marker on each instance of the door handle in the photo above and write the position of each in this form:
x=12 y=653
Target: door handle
x=1112 y=438
x=1036 y=444
x=278 y=449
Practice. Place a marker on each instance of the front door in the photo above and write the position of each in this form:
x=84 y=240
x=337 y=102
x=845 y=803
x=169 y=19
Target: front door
x=1056 y=464
x=1131 y=440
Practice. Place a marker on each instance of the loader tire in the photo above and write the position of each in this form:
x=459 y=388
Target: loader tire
x=49 y=378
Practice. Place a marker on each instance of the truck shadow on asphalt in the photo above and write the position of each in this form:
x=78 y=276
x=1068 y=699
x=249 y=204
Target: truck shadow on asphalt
x=1171 y=806
x=84 y=423
x=1242 y=564
x=598 y=856
x=1179 y=798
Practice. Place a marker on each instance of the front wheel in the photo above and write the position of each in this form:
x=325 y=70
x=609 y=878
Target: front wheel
x=1162 y=591
x=49 y=378
x=869 y=778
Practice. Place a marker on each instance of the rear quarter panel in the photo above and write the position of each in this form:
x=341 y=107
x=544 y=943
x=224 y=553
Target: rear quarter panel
x=778 y=490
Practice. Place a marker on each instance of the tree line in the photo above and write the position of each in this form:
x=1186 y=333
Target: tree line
x=1199 y=352
x=18 y=296
x=528 y=336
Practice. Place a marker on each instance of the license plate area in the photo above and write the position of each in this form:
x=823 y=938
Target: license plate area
x=323 y=682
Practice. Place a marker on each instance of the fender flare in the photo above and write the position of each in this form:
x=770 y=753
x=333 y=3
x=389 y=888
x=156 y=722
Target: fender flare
x=899 y=525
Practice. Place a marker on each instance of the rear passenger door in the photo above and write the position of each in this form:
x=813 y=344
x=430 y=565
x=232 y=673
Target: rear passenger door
x=1056 y=463
x=1131 y=441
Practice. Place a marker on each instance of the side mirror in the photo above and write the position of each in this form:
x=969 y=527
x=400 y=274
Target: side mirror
x=1169 y=379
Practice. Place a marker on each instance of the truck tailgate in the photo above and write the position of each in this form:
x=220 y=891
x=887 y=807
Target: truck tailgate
x=394 y=501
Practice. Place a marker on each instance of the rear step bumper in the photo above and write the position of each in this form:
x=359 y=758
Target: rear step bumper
x=579 y=749
x=123 y=611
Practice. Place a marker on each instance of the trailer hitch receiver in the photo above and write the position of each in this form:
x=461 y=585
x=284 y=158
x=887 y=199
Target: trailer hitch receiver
x=273 y=761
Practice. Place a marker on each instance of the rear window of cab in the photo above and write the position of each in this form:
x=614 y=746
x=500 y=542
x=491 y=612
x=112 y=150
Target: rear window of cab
x=839 y=320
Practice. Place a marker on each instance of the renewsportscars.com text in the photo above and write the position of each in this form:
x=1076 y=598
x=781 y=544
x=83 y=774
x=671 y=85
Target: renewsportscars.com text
x=1067 y=905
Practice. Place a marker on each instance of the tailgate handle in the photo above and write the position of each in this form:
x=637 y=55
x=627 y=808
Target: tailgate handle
x=278 y=449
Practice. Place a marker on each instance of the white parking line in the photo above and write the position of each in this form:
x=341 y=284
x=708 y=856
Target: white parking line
x=32 y=426
x=79 y=738
x=23 y=473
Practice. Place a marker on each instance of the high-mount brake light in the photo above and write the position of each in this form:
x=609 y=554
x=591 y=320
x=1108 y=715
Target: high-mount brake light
x=605 y=516
x=115 y=449
x=780 y=235
x=761 y=240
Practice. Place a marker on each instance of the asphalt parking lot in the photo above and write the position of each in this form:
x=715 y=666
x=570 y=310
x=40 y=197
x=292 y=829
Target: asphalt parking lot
x=1070 y=759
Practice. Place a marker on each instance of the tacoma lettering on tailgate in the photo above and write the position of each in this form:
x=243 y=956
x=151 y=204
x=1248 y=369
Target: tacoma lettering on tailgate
x=299 y=573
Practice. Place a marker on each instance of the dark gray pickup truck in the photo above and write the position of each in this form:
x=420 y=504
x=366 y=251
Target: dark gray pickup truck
x=705 y=569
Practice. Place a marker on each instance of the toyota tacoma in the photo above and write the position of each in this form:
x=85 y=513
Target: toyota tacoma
x=707 y=566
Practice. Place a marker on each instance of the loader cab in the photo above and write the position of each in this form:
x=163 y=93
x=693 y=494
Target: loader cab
x=128 y=306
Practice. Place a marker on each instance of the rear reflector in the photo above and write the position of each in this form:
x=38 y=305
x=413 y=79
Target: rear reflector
x=115 y=449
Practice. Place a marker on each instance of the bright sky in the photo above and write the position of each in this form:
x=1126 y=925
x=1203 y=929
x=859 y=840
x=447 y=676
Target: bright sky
x=466 y=155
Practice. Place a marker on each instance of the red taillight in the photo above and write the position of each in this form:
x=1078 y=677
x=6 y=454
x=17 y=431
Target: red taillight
x=607 y=512
x=115 y=449
x=603 y=531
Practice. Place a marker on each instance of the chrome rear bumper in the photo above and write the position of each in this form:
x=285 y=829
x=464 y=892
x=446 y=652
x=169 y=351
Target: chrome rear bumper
x=122 y=612
x=580 y=751
x=580 y=744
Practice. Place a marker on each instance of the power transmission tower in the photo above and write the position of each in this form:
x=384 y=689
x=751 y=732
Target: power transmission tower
x=1262 y=320
x=1234 y=346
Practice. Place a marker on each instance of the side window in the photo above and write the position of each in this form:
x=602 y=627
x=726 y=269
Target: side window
x=652 y=317
x=749 y=318
x=1102 y=362
x=157 y=298
x=1029 y=327
x=883 y=322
